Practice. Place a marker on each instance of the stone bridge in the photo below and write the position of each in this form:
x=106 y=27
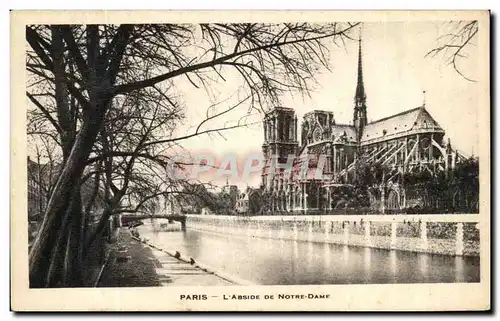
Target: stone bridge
x=128 y=218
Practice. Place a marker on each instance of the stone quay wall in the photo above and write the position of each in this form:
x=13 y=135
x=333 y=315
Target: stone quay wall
x=456 y=234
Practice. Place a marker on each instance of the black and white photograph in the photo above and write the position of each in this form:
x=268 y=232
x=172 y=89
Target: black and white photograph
x=210 y=157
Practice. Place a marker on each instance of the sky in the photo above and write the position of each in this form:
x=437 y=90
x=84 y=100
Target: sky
x=395 y=71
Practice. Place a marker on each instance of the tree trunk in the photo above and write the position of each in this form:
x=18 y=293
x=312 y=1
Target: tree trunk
x=59 y=203
x=64 y=205
x=103 y=223
x=54 y=273
x=75 y=243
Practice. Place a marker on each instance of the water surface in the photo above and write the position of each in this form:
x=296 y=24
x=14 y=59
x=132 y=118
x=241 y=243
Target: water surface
x=285 y=262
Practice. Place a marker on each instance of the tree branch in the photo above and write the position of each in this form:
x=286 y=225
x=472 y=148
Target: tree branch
x=125 y=88
x=45 y=112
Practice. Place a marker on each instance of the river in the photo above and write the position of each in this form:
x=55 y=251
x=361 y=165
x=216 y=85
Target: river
x=283 y=262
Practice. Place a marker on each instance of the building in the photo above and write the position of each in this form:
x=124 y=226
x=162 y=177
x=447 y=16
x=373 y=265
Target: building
x=233 y=194
x=302 y=175
x=242 y=203
x=40 y=180
x=170 y=205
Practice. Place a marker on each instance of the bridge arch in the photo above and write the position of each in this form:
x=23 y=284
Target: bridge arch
x=126 y=219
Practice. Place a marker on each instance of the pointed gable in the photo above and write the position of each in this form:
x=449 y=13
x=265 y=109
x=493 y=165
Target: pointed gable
x=425 y=121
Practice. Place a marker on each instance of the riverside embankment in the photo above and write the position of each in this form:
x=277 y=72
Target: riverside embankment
x=294 y=250
x=456 y=235
x=277 y=261
x=136 y=262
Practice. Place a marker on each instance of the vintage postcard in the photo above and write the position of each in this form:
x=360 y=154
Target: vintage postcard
x=250 y=161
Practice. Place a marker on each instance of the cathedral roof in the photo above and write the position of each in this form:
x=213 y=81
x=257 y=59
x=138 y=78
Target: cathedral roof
x=341 y=130
x=399 y=124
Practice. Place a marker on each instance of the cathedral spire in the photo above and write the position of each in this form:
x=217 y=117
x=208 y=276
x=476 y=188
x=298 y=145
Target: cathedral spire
x=360 y=96
x=360 y=117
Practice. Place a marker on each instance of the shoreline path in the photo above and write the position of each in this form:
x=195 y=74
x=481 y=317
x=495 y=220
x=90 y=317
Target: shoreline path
x=136 y=263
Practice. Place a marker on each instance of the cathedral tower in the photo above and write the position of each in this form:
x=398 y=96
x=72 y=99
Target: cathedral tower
x=280 y=140
x=360 y=117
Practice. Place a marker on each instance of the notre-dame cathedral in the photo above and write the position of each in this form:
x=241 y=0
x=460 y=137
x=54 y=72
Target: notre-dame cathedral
x=405 y=142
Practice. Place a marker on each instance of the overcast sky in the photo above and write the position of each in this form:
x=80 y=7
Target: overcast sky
x=395 y=74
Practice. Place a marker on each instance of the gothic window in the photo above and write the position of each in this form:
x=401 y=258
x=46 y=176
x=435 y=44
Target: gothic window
x=425 y=143
x=317 y=135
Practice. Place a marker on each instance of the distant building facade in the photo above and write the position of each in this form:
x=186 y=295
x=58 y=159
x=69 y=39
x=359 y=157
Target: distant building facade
x=41 y=178
x=233 y=194
x=242 y=204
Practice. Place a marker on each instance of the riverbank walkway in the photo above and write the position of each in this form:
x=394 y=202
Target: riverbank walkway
x=135 y=263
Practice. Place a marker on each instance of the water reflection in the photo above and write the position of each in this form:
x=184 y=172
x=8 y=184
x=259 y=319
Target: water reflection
x=368 y=263
x=345 y=255
x=310 y=256
x=271 y=261
x=423 y=263
x=459 y=269
x=295 y=250
x=327 y=254
x=295 y=269
x=282 y=244
x=394 y=263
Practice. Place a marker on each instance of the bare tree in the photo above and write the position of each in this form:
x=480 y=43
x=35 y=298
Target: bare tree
x=85 y=70
x=454 y=45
